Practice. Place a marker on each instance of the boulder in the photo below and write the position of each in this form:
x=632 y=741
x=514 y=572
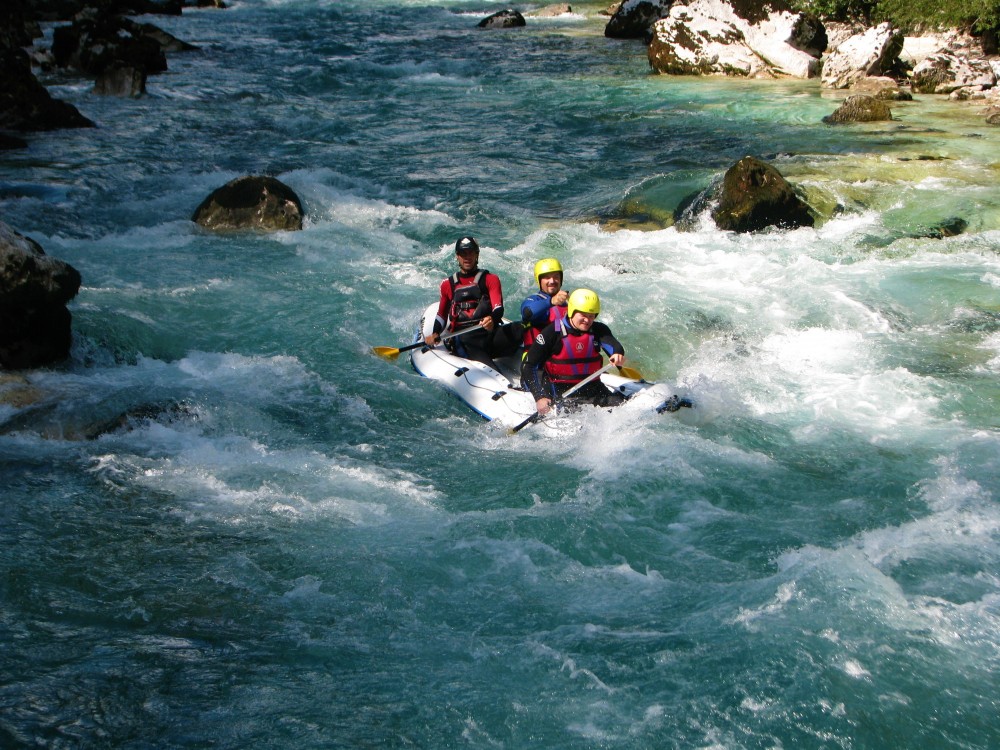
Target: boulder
x=860 y=108
x=944 y=72
x=254 y=202
x=17 y=391
x=881 y=87
x=124 y=81
x=950 y=227
x=875 y=52
x=634 y=19
x=757 y=40
x=167 y=41
x=34 y=323
x=93 y=45
x=756 y=196
x=838 y=32
x=25 y=104
x=504 y=19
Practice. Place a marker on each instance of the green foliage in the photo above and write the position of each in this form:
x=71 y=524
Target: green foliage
x=977 y=15
x=838 y=10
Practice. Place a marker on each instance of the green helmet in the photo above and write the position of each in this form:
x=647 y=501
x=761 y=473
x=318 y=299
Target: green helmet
x=544 y=266
x=585 y=301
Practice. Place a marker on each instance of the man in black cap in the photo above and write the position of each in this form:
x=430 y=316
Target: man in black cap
x=473 y=298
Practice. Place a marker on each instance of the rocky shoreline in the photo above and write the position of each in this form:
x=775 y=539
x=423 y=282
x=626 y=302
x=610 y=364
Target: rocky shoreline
x=875 y=66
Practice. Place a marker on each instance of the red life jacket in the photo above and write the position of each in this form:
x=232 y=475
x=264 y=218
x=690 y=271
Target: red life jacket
x=530 y=331
x=470 y=300
x=578 y=357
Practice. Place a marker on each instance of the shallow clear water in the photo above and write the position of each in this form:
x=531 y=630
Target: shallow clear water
x=225 y=523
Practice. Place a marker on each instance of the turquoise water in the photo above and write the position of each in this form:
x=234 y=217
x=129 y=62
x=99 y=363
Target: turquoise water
x=227 y=524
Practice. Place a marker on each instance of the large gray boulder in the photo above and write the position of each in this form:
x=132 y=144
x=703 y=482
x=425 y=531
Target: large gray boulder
x=755 y=196
x=944 y=72
x=254 y=202
x=756 y=40
x=34 y=322
x=874 y=52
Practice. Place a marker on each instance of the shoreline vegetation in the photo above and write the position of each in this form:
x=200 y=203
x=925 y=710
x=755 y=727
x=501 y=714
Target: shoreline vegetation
x=875 y=52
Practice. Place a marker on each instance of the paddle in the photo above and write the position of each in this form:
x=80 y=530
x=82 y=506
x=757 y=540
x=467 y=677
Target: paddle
x=536 y=416
x=630 y=372
x=391 y=352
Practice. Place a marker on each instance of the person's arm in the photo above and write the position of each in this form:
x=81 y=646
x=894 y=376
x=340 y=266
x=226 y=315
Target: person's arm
x=609 y=344
x=444 y=304
x=535 y=309
x=533 y=371
x=496 y=302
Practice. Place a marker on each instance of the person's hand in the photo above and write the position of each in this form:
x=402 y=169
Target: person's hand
x=543 y=405
x=617 y=359
x=487 y=323
x=431 y=339
x=560 y=297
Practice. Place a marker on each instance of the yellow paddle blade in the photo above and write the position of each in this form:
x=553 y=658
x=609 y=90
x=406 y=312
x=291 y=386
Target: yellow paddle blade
x=389 y=352
x=629 y=372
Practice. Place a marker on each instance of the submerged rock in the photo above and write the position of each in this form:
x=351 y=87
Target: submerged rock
x=16 y=391
x=504 y=19
x=860 y=108
x=125 y=81
x=951 y=227
x=552 y=11
x=254 y=202
x=881 y=87
x=756 y=196
x=34 y=289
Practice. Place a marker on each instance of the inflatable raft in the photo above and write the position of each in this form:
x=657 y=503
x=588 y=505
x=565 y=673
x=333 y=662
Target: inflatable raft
x=496 y=394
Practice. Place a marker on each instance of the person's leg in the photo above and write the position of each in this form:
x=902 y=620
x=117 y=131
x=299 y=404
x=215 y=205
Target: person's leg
x=544 y=384
x=473 y=346
x=598 y=394
x=506 y=340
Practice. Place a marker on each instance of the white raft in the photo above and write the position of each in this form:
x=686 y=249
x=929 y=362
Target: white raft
x=497 y=395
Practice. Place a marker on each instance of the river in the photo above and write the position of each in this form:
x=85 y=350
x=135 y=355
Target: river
x=226 y=524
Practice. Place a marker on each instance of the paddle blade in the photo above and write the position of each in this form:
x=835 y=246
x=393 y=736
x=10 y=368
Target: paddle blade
x=630 y=372
x=389 y=352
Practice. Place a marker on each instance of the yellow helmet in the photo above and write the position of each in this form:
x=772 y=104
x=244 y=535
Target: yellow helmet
x=585 y=301
x=546 y=265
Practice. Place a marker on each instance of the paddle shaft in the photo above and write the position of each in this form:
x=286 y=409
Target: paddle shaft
x=559 y=397
x=444 y=337
x=392 y=352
